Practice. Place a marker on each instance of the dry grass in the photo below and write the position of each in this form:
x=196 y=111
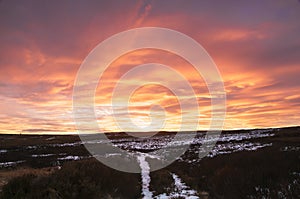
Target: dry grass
x=82 y=179
x=7 y=175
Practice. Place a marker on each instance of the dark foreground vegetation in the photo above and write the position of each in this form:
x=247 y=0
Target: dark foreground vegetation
x=271 y=172
x=82 y=179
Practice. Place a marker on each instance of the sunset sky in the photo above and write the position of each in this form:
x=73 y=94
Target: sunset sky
x=255 y=44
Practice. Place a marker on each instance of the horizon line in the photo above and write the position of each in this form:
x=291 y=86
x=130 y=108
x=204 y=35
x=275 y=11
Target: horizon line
x=162 y=131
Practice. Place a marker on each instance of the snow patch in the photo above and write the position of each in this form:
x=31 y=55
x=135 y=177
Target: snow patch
x=3 y=151
x=41 y=155
x=145 y=172
x=71 y=157
x=9 y=164
x=181 y=190
x=50 y=138
x=290 y=148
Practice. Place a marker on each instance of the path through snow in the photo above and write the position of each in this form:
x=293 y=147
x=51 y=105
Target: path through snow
x=145 y=172
x=181 y=189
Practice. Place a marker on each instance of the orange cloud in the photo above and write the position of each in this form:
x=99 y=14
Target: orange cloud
x=41 y=52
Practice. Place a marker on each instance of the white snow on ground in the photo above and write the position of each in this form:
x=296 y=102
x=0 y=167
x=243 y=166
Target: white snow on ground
x=66 y=144
x=290 y=148
x=3 y=151
x=51 y=138
x=112 y=154
x=235 y=147
x=72 y=157
x=160 y=142
x=41 y=155
x=181 y=190
x=9 y=164
x=145 y=172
